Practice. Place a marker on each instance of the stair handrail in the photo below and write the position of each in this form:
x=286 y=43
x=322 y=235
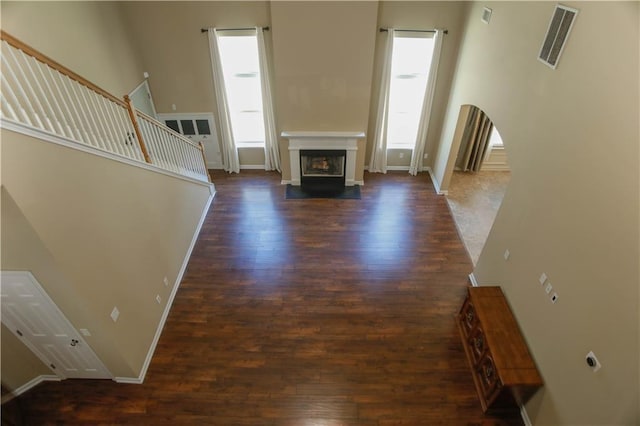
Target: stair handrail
x=57 y=66
x=86 y=122
x=183 y=139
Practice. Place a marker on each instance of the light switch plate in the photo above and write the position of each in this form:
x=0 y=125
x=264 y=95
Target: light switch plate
x=542 y=278
x=548 y=288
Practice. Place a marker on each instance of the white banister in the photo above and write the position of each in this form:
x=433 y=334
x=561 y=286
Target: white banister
x=39 y=93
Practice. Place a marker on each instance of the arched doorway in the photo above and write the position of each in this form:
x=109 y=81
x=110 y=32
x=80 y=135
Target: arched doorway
x=475 y=193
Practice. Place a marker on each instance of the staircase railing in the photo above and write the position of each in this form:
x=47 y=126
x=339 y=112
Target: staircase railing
x=38 y=92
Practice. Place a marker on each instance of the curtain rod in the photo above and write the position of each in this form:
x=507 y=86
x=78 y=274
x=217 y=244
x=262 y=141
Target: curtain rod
x=204 y=30
x=384 y=30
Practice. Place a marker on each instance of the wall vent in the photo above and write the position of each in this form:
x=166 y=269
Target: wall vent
x=557 y=34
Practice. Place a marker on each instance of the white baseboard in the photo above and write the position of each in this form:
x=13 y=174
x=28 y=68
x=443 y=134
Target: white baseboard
x=495 y=167
x=525 y=416
x=397 y=168
x=167 y=309
x=436 y=184
x=473 y=280
x=30 y=384
x=252 y=167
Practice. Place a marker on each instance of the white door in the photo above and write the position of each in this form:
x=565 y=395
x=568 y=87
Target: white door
x=36 y=320
x=142 y=100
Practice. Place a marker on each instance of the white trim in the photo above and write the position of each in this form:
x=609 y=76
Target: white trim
x=29 y=385
x=494 y=167
x=252 y=167
x=167 y=308
x=323 y=135
x=144 y=83
x=474 y=281
x=397 y=168
x=285 y=182
x=70 y=143
x=436 y=184
x=347 y=141
x=525 y=416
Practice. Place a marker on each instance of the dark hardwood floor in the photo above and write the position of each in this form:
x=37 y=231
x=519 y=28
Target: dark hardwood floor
x=303 y=312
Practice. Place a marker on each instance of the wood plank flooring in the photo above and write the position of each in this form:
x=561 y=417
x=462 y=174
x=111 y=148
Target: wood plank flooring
x=303 y=312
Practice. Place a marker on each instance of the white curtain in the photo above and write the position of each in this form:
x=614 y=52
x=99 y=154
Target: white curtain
x=378 y=163
x=423 y=127
x=475 y=139
x=230 y=160
x=271 y=148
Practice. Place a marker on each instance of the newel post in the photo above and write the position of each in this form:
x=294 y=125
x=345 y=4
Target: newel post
x=204 y=160
x=136 y=128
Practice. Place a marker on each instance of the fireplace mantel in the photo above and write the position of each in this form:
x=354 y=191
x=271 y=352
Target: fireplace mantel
x=325 y=141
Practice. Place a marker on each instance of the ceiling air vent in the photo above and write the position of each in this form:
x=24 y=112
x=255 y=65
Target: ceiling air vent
x=557 y=34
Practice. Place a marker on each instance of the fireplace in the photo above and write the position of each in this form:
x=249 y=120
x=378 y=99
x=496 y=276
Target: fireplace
x=322 y=170
x=326 y=145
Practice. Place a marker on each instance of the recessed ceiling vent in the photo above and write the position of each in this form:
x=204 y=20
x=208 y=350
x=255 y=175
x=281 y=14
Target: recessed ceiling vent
x=559 y=29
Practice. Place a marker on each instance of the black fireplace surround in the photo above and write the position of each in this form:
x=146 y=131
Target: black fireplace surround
x=322 y=170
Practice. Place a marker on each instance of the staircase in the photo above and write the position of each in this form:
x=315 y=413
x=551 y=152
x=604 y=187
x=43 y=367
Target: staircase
x=43 y=97
x=100 y=202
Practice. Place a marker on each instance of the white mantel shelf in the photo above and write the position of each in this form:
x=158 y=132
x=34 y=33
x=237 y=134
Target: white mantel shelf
x=347 y=141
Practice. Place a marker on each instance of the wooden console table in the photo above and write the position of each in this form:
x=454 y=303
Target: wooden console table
x=503 y=370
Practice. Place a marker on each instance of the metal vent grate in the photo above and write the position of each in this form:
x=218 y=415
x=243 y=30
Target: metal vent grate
x=559 y=29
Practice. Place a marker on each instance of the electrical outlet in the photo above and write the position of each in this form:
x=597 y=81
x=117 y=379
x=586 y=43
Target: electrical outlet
x=166 y=282
x=548 y=288
x=506 y=254
x=554 y=297
x=173 y=107
x=425 y=156
x=145 y=74
x=542 y=278
x=158 y=299
x=115 y=313
x=401 y=155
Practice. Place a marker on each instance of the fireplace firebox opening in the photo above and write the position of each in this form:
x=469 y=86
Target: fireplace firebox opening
x=322 y=170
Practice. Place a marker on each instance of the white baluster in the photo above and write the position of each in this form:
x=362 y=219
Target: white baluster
x=58 y=101
x=112 y=127
x=7 y=89
x=79 y=108
x=35 y=118
x=47 y=114
x=58 y=114
x=71 y=126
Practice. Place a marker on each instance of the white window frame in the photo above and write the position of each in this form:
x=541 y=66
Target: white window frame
x=408 y=145
x=243 y=143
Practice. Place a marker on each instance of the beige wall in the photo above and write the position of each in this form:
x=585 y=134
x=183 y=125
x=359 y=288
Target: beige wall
x=176 y=54
x=419 y=15
x=19 y=364
x=97 y=233
x=572 y=215
x=323 y=60
x=88 y=37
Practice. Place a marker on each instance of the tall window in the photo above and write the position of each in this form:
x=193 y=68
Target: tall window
x=241 y=69
x=410 y=64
